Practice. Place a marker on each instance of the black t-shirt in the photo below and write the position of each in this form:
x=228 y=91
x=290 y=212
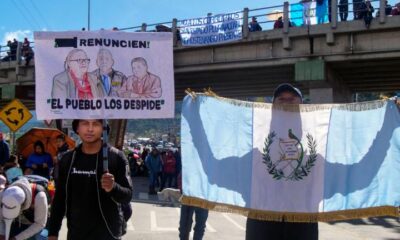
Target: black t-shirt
x=86 y=218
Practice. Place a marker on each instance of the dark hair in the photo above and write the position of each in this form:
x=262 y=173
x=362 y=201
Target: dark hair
x=38 y=143
x=61 y=136
x=13 y=158
x=75 y=124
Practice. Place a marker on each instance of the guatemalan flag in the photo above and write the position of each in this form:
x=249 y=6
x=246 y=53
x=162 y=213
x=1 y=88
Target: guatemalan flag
x=301 y=163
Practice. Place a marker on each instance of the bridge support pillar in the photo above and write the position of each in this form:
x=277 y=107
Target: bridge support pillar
x=325 y=85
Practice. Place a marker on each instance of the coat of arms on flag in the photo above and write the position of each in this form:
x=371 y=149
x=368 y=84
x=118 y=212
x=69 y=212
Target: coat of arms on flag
x=301 y=163
x=291 y=164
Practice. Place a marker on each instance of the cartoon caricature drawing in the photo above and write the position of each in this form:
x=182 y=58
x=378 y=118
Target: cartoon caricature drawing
x=142 y=84
x=76 y=81
x=110 y=78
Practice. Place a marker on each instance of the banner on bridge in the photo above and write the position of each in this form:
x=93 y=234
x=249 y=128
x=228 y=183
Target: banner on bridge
x=209 y=30
x=104 y=75
x=300 y=163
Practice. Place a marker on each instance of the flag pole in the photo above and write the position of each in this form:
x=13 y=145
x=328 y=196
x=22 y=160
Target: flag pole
x=105 y=146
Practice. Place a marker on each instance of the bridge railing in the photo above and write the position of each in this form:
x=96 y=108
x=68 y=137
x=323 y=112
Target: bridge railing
x=266 y=18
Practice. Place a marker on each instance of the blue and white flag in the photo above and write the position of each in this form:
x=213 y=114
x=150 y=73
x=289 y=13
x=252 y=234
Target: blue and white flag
x=292 y=162
x=309 y=13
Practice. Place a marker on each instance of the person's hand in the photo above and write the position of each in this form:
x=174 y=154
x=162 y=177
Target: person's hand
x=45 y=165
x=107 y=182
x=34 y=166
x=52 y=238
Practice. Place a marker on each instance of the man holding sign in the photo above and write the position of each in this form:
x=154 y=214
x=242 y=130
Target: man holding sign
x=90 y=198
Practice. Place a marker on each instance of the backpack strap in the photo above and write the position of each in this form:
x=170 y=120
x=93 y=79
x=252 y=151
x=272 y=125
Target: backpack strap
x=34 y=192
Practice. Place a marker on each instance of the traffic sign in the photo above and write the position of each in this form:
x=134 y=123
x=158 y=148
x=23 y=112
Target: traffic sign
x=15 y=115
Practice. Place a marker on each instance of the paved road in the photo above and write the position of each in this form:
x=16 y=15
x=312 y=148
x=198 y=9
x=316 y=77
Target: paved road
x=157 y=220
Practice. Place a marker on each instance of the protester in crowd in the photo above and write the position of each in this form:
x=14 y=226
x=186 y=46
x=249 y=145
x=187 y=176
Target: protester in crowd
x=357 y=9
x=75 y=81
x=13 y=49
x=330 y=10
x=396 y=10
x=12 y=168
x=111 y=79
x=343 y=9
x=186 y=219
x=321 y=10
x=40 y=161
x=142 y=84
x=62 y=147
x=23 y=212
x=154 y=166
x=254 y=26
x=278 y=23
x=272 y=230
x=4 y=150
x=89 y=196
x=28 y=55
x=388 y=10
x=25 y=45
x=177 y=155
x=307 y=12
x=168 y=170
x=367 y=12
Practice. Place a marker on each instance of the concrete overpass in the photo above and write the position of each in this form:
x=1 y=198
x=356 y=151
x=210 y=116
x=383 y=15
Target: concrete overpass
x=343 y=60
x=328 y=62
x=335 y=61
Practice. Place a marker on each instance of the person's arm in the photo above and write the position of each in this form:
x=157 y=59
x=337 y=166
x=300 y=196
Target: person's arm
x=40 y=209
x=2 y=224
x=122 y=190
x=58 y=205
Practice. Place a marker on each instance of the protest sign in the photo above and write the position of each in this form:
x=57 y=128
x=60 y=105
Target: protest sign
x=104 y=75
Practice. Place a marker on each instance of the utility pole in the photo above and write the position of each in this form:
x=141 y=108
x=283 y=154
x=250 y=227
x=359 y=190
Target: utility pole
x=88 y=27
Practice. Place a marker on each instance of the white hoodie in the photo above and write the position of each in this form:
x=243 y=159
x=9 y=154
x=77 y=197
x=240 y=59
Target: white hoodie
x=40 y=208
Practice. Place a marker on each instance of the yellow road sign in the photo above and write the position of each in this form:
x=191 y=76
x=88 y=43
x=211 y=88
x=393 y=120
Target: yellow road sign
x=15 y=115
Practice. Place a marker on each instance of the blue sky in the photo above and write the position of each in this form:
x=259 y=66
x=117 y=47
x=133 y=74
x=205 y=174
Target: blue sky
x=22 y=17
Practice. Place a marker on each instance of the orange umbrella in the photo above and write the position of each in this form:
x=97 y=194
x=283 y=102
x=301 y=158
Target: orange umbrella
x=46 y=135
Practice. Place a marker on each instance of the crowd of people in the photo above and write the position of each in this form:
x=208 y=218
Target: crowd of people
x=26 y=51
x=26 y=190
x=362 y=10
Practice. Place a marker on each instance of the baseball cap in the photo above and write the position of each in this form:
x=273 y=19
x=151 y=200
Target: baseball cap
x=286 y=87
x=13 y=198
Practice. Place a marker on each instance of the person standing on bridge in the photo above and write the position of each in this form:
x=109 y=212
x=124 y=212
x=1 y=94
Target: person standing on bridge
x=343 y=9
x=367 y=12
x=272 y=230
x=90 y=198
